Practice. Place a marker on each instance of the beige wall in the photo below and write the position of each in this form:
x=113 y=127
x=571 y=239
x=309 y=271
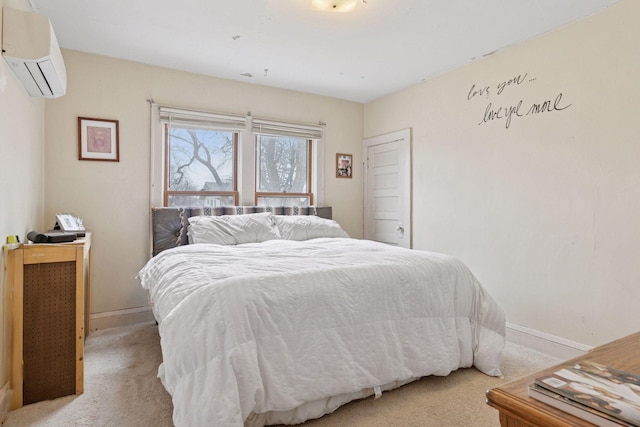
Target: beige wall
x=113 y=198
x=546 y=212
x=21 y=173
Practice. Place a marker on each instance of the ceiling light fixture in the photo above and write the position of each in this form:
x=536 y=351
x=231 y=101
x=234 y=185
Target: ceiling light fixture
x=334 y=5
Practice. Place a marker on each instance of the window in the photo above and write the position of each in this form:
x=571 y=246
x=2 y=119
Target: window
x=207 y=159
x=285 y=158
x=200 y=166
x=283 y=171
x=199 y=158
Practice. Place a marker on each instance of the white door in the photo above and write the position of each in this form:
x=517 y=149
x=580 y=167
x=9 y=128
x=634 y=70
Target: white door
x=387 y=188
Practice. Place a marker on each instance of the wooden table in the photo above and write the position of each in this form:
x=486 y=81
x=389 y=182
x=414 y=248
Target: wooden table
x=517 y=409
x=49 y=313
x=85 y=241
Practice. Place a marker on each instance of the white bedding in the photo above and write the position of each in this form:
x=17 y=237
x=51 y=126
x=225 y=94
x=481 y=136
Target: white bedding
x=283 y=331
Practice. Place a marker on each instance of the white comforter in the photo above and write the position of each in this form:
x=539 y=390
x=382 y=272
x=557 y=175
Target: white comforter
x=272 y=332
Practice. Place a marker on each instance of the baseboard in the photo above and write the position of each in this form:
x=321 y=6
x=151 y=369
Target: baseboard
x=112 y=319
x=5 y=402
x=545 y=343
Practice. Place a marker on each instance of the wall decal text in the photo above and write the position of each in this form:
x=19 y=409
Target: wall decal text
x=508 y=112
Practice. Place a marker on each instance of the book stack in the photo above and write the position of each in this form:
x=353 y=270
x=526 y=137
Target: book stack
x=599 y=394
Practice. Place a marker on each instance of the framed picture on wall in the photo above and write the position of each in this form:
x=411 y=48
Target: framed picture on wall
x=98 y=139
x=344 y=164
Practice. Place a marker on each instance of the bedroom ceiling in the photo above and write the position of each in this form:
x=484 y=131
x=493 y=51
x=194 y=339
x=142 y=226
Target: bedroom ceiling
x=381 y=47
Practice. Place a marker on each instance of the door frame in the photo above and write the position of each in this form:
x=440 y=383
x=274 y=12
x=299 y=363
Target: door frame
x=403 y=137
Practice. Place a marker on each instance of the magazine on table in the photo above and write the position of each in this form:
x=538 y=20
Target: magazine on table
x=611 y=391
x=574 y=408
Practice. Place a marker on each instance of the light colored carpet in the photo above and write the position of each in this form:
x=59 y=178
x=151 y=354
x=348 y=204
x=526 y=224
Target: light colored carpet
x=121 y=389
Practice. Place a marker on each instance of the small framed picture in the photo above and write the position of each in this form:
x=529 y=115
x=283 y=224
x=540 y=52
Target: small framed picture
x=344 y=165
x=98 y=140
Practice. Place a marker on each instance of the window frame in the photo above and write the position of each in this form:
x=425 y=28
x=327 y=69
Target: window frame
x=245 y=126
x=310 y=157
x=166 y=193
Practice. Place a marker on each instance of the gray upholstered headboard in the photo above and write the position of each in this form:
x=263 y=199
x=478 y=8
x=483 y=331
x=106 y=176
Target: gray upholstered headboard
x=169 y=225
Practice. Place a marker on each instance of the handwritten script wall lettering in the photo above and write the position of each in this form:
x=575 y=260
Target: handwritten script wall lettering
x=519 y=109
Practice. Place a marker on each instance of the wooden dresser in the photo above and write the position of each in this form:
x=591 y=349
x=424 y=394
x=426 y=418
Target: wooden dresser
x=48 y=289
x=517 y=409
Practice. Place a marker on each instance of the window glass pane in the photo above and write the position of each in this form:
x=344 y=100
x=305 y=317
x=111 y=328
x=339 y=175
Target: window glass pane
x=282 y=164
x=198 y=201
x=200 y=160
x=283 y=201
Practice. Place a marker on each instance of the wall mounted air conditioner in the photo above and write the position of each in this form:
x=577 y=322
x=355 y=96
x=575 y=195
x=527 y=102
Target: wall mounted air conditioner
x=30 y=48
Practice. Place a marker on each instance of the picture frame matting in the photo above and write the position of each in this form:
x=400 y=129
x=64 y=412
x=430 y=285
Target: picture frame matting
x=98 y=139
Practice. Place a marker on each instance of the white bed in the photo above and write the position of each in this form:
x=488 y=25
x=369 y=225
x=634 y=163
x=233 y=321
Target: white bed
x=282 y=331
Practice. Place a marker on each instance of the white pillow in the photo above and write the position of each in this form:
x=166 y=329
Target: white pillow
x=233 y=229
x=304 y=227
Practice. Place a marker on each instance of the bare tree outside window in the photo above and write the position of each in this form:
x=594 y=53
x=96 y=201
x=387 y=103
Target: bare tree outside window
x=201 y=167
x=283 y=170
